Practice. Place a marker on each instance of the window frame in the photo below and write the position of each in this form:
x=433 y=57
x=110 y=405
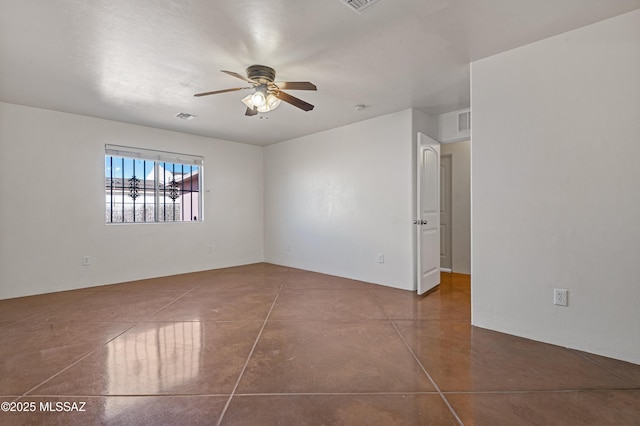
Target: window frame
x=157 y=157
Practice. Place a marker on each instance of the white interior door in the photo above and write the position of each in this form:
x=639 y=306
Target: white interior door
x=428 y=215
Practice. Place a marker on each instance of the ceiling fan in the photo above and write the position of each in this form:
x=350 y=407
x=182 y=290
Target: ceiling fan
x=266 y=95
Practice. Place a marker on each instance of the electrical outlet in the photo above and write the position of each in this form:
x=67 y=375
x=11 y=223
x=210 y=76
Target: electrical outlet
x=86 y=261
x=560 y=297
x=380 y=258
x=210 y=250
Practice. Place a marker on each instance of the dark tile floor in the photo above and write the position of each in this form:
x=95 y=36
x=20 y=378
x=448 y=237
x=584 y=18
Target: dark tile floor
x=268 y=345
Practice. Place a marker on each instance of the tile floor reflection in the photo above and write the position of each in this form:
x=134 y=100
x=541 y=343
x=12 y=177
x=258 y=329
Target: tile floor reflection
x=268 y=345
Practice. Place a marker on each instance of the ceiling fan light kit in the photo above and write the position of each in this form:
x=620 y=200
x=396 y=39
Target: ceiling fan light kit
x=260 y=102
x=266 y=95
x=259 y=98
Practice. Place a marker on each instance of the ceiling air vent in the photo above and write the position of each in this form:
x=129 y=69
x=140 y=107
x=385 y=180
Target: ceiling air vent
x=185 y=116
x=359 y=5
x=464 y=121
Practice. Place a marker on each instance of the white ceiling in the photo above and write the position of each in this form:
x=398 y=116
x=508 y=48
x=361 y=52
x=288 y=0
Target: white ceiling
x=141 y=61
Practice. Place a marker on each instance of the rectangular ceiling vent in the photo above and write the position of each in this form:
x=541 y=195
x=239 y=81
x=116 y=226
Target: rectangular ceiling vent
x=464 y=121
x=359 y=5
x=185 y=116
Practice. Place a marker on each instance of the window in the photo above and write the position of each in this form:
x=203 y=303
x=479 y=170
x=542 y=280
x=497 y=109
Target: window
x=151 y=186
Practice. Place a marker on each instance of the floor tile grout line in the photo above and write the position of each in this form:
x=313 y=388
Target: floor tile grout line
x=27 y=393
x=47 y=310
x=173 y=301
x=7 y=324
x=433 y=382
x=246 y=363
x=608 y=370
x=382 y=393
x=35 y=316
x=80 y=359
x=136 y=395
x=533 y=391
x=135 y=324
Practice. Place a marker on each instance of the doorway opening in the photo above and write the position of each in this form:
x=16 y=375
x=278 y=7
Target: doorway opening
x=445 y=213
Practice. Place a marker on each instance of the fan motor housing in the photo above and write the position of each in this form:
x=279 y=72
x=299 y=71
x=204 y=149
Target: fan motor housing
x=261 y=73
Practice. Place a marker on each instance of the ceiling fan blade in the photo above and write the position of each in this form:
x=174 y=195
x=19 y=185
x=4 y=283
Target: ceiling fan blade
x=241 y=77
x=296 y=85
x=251 y=112
x=293 y=100
x=215 y=92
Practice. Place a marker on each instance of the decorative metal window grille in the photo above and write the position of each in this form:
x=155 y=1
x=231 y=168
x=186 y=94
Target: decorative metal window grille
x=174 y=190
x=151 y=186
x=134 y=187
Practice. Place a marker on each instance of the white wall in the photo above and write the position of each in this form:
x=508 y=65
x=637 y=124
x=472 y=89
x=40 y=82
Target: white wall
x=52 y=205
x=556 y=201
x=336 y=199
x=460 y=204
